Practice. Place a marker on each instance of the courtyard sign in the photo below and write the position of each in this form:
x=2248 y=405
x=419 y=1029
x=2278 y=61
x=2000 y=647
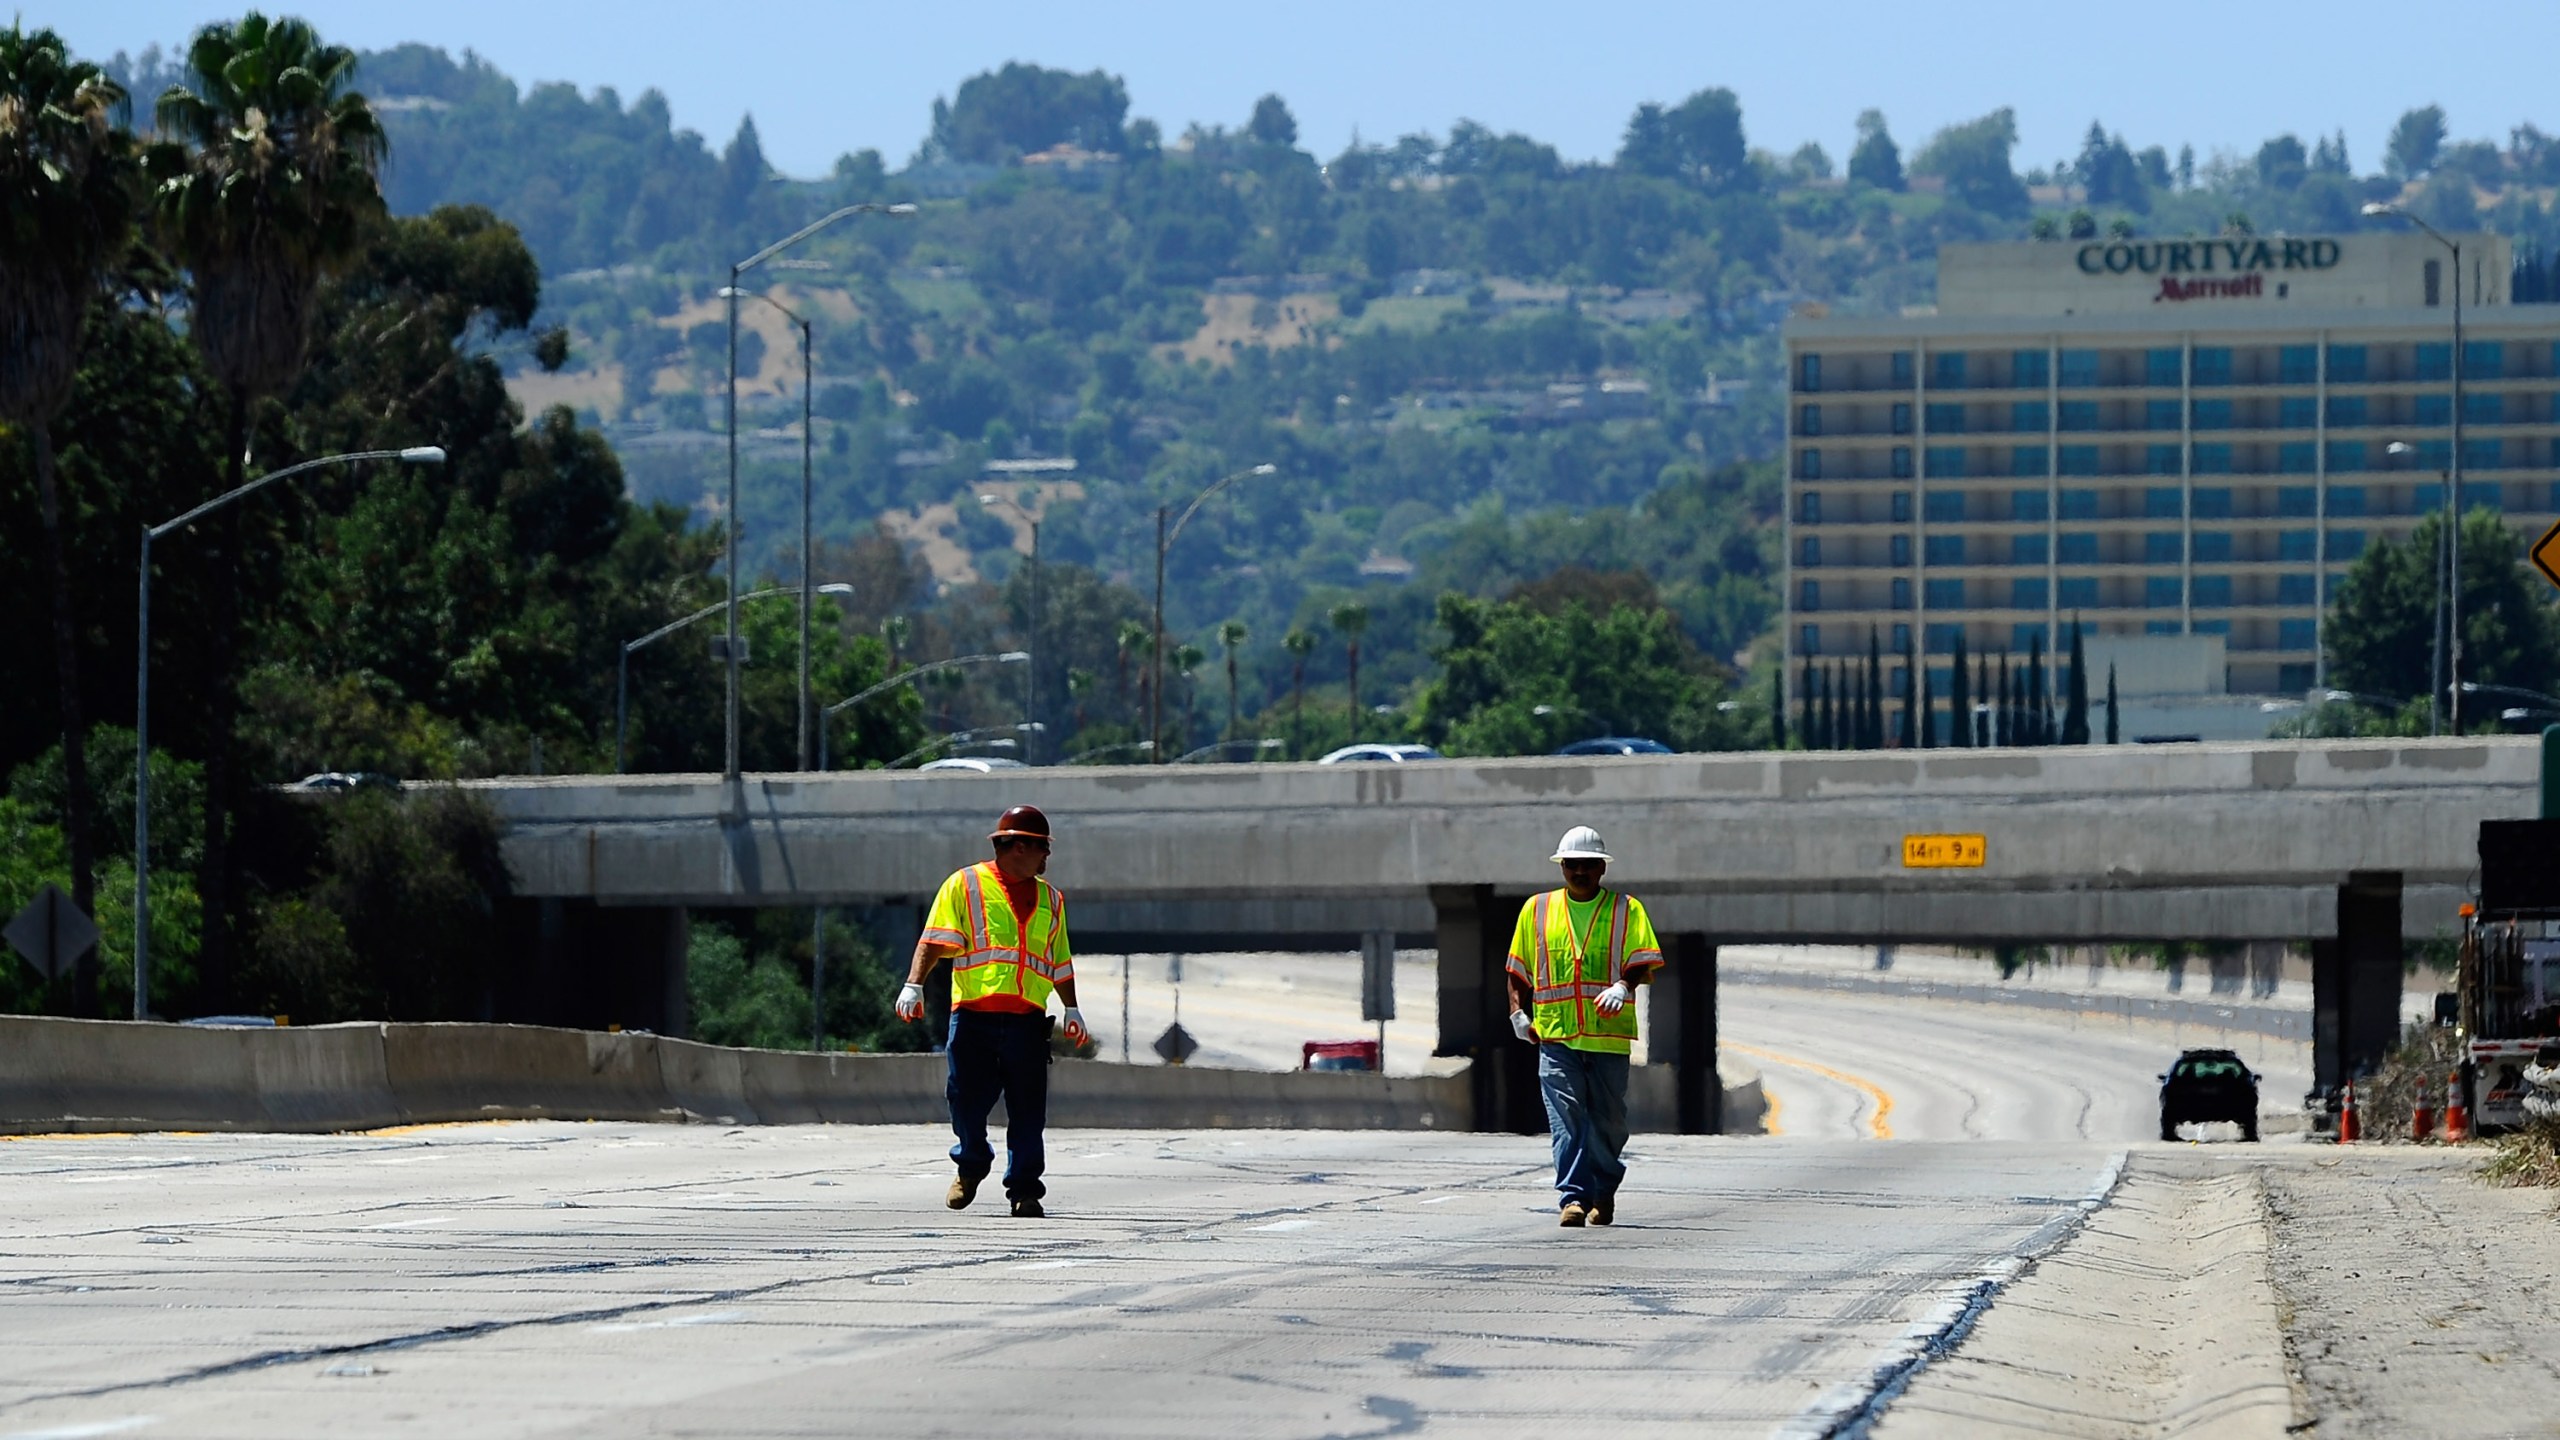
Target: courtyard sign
x=2204 y=257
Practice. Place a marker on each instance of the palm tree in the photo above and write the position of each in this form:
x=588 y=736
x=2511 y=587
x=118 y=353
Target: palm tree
x=1348 y=621
x=1231 y=639
x=894 y=633
x=1132 y=638
x=1300 y=643
x=1079 y=687
x=267 y=185
x=1187 y=659
x=70 y=181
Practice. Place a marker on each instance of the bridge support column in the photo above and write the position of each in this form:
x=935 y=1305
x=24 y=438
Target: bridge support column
x=2355 y=980
x=1473 y=931
x=1683 y=1034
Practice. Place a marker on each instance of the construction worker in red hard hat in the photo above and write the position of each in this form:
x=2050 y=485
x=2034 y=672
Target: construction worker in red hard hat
x=1574 y=955
x=1004 y=929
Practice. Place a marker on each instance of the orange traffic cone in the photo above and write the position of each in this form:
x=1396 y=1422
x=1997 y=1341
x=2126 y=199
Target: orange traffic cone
x=2457 y=1116
x=2422 y=1119
x=2348 y=1131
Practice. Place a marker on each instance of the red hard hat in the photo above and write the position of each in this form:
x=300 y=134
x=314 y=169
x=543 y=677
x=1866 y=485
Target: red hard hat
x=1021 y=820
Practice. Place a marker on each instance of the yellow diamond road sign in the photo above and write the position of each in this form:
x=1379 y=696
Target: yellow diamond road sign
x=2546 y=554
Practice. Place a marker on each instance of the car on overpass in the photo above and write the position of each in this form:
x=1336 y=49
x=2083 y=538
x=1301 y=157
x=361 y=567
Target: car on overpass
x=974 y=764
x=1617 y=745
x=1379 y=753
x=2205 y=1086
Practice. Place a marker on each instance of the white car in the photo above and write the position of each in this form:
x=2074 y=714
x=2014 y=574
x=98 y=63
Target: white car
x=980 y=764
x=1390 y=754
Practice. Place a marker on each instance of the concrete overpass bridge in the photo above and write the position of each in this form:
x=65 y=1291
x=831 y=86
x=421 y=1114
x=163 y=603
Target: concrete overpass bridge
x=2348 y=844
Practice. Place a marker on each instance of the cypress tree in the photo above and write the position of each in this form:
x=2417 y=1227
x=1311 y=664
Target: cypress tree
x=2113 y=737
x=1778 y=708
x=2039 y=710
x=1806 y=694
x=2004 y=716
x=1830 y=713
x=2075 y=714
x=1913 y=707
x=1982 y=707
x=1875 y=691
x=1927 y=708
x=1959 y=699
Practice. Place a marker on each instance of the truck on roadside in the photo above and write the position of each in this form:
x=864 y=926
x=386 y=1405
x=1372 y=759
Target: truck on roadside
x=2508 y=1010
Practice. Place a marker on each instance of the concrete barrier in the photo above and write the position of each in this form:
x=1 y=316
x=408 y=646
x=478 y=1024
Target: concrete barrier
x=106 y=1075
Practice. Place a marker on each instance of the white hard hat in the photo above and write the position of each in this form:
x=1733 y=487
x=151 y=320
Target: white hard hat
x=1580 y=843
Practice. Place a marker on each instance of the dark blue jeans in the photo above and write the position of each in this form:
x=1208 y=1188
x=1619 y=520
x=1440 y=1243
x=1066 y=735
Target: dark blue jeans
x=1586 y=1095
x=994 y=1055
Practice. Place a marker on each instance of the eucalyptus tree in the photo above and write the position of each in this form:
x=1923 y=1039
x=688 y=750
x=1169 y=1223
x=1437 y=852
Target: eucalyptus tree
x=1349 y=621
x=268 y=171
x=68 y=194
x=1231 y=637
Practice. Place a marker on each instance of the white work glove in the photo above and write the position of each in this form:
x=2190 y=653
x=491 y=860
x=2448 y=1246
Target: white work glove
x=1521 y=1027
x=911 y=1002
x=1613 y=999
x=1076 y=1033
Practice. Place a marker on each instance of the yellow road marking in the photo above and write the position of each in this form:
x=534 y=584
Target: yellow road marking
x=1769 y=1112
x=1877 y=1126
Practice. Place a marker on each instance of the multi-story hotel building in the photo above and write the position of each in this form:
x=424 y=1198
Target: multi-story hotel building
x=2152 y=437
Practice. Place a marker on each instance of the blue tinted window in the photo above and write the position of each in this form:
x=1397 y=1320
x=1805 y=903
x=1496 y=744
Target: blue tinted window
x=2160 y=459
x=2079 y=459
x=2028 y=460
x=1945 y=594
x=2297 y=457
x=2079 y=592
x=1809 y=507
x=1901 y=417
x=2481 y=493
x=1901 y=593
x=1809 y=595
x=2482 y=455
x=1946 y=370
x=1808 y=372
x=2297 y=500
x=2434 y=410
x=2435 y=454
x=2159 y=414
x=1901 y=506
x=2426 y=498
x=1940 y=639
x=2163 y=547
x=2345 y=544
x=2484 y=360
x=2212 y=627
x=1944 y=505
x=2480 y=409
x=1809 y=550
x=2346 y=412
x=2297 y=545
x=2213 y=414
x=2027 y=368
x=1808 y=464
x=2213 y=547
x=2346 y=364
x=2160 y=592
x=1945 y=419
x=2213 y=504
x=2293 y=590
x=2298 y=634
x=1945 y=550
x=1901 y=641
x=2024 y=638
x=1809 y=640
x=1902 y=369
x=2028 y=415
x=1902 y=550
x=2079 y=504
x=2079 y=547
x=2162 y=627
x=1901 y=462
x=2345 y=456
x=2161 y=503
x=2080 y=369
x=2435 y=360
x=2027 y=505
x=2026 y=549
x=2213 y=365
x=2214 y=591
x=2079 y=415
x=1808 y=419
x=2297 y=364
x=2160 y=367
x=1945 y=461
x=2026 y=594
x=2346 y=500
x=2297 y=412
x=2213 y=460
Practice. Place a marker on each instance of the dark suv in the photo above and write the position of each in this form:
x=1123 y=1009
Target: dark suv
x=2208 y=1085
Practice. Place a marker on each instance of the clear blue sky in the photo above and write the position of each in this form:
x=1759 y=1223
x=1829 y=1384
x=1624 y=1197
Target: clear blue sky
x=822 y=79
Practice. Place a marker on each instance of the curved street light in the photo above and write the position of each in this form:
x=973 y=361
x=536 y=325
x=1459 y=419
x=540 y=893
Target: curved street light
x=2453 y=471
x=1031 y=645
x=2474 y=687
x=977 y=738
x=808 y=560
x=411 y=455
x=732 y=293
x=1268 y=742
x=908 y=676
x=1165 y=538
x=1085 y=757
x=622 y=664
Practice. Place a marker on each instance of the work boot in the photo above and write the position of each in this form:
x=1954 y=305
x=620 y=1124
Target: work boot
x=963 y=1189
x=1570 y=1217
x=1604 y=1211
x=1027 y=1208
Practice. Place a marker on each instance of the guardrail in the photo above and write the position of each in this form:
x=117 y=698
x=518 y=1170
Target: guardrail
x=2272 y=1021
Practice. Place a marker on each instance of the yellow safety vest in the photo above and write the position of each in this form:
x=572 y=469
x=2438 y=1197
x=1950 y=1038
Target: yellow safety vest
x=1568 y=971
x=997 y=957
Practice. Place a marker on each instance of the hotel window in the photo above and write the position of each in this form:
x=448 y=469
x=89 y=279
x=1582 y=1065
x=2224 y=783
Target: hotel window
x=2163 y=547
x=2298 y=365
x=2301 y=545
x=1808 y=419
x=1943 y=505
x=1946 y=370
x=2435 y=454
x=2028 y=415
x=1941 y=639
x=2159 y=414
x=1945 y=550
x=1902 y=417
x=2212 y=627
x=2435 y=360
x=1809 y=507
x=1809 y=373
x=2297 y=457
x=1901 y=462
x=2293 y=590
x=2298 y=500
x=1808 y=464
x=1945 y=594
x=2160 y=592
x=2161 y=627
x=1901 y=369
x=2080 y=547
x=2079 y=504
x=2346 y=365
x=2160 y=369
x=2213 y=414
x=2484 y=360
x=2213 y=365
x=2345 y=456
x=1946 y=419
x=2213 y=547
x=1901 y=550
x=2213 y=592
x=2297 y=634
x=1902 y=637
x=2297 y=412
x=2026 y=550
x=2028 y=505
x=2080 y=369
x=1809 y=551
x=2214 y=504
x=2079 y=415
x=2159 y=503
x=1945 y=462
x=2481 y=492
x=2433 y=410
x=1901 y=503
x=2024 y=638
x=1809 y=640
x=2079 y=459
x=2490 y=409
x=2079 y=592
x=2346 y=500
x=2346 y=412
x=1809 y=595
x=1901 y=593
x=2160 y=459
x=2026 y=462
x=2213 y=460
x=2482 y=455
x=2027 y=369
x=2345 y=544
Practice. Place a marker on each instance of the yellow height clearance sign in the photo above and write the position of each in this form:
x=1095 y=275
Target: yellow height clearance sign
x=1944 y=852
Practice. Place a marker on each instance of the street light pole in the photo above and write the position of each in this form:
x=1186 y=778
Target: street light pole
x=2451 y=680
x=622 y=664
x=729 y=769
x=907 y=677
x=801 y=733
x=413 y=455
x=1164 y=539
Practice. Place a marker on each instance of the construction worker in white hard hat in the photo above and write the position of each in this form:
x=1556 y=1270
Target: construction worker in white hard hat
x=1575 y=955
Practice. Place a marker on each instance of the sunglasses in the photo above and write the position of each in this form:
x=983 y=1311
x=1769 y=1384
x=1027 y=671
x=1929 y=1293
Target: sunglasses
x=1028 y=842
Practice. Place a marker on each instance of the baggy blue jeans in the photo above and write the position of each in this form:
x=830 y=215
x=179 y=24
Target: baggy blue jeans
x=994 y=1055
x=1586 y=1095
